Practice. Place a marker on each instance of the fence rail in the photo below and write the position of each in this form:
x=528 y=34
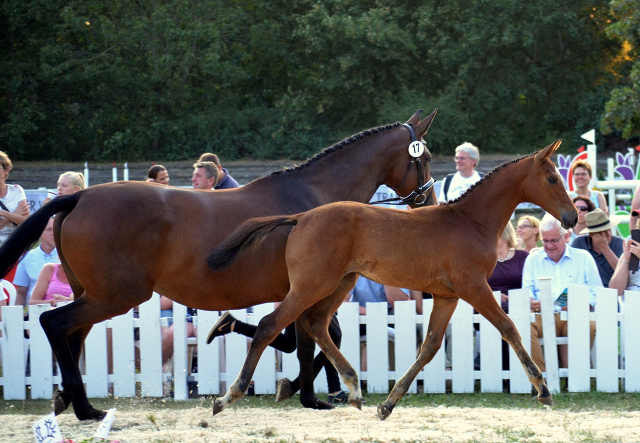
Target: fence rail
x=616 y=354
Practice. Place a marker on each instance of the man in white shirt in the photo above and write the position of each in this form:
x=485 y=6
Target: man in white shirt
x=31 y=264
x=454 y=185
x=566 y=265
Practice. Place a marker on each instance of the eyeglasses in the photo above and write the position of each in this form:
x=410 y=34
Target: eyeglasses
x=461 y=159
x=552 y=242
x=583 y=208
x=580 y=174
x=524 y=226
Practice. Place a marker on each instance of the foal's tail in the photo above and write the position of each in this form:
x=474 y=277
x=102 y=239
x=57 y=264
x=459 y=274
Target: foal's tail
x=28 y=233
x=250 y=233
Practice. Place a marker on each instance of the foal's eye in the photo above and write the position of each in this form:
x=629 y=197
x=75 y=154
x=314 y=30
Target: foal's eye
x=553 y=180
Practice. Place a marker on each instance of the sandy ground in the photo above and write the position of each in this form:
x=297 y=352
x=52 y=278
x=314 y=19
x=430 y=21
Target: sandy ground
x=347 y=424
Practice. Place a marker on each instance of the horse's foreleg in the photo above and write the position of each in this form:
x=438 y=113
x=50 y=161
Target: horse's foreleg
x=442 y=311
x=317 y=320
x=494 y=313
x=66 y=338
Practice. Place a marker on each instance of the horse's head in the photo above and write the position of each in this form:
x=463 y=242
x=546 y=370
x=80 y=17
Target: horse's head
x=409 y=172
x=545 y=188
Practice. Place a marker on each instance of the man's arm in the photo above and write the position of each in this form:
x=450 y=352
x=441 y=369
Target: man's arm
x=417 y=296
x=635 y=204
x=21 y=295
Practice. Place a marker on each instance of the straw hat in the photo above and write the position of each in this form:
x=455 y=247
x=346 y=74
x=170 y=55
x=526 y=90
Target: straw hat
x=598 y=221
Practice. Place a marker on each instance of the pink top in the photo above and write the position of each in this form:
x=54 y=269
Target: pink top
x=56 y=286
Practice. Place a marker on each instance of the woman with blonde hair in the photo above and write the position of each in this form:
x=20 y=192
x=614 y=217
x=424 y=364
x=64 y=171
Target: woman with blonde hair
x=528 y=231
x=68 y=183
x=582 y=174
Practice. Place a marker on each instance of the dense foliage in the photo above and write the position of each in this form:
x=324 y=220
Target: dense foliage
x=169 y=79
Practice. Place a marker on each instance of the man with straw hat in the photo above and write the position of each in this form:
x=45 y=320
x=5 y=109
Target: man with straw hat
x=597 y=239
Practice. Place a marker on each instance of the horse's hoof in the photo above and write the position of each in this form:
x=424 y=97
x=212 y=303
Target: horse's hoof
x=283 y=390
x=60 y=402
x=545 y=396
x=217 y=406
x=91 y=414
x=384 y=410
x=357 y=402
x=316 y=404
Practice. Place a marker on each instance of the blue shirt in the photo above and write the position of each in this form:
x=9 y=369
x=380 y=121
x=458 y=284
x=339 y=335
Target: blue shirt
x=227 y=182
x=367 y=290
x=576 y=266
x=30 y=266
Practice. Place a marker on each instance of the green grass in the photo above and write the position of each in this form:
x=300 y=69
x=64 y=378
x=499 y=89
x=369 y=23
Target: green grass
x=589 y=401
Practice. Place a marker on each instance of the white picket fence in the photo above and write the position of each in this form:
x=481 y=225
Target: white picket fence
x=220 y=361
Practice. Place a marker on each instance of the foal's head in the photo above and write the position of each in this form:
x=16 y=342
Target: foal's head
x=544 y=187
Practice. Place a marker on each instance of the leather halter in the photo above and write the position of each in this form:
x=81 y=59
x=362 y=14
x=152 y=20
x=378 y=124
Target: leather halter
x=419 y=196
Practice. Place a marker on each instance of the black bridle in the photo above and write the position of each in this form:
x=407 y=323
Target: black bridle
x=419 y=196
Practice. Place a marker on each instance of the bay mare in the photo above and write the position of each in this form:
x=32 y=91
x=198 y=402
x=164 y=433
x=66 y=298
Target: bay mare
x=334 y=244
x=119 y=242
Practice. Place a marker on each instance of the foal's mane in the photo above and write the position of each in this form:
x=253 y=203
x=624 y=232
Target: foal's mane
x=339 y=145
x=487 y=176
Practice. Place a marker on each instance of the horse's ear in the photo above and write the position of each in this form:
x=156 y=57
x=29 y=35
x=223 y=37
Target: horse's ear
x=415 y=118
x=422 y=127
x=546 y=152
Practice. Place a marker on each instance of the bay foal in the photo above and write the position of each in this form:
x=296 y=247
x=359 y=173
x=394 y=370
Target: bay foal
x=334 y=244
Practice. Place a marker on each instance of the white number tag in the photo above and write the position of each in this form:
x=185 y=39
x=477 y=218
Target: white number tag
x=416 y=149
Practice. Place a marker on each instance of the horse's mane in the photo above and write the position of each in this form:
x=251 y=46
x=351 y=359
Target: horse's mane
x=487 y=176
x=337 y=146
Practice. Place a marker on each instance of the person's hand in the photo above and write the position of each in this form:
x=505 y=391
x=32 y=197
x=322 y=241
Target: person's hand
x=599 y=242
x=23 y=209
x=504 y=297
x=58 y=298
x=535 y=305
x=633 y=247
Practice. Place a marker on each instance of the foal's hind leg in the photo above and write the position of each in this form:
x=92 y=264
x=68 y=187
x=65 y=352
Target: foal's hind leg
x=316 y=320
x=494 y=313
x=442 y=311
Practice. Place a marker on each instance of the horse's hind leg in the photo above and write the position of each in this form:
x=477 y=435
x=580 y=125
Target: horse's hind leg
x=442 y=311
x=66 y=327
x=494 y=313
x=316 y=320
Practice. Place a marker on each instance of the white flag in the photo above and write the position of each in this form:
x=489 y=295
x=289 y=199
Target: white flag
x=105 y=424
x=46 y=430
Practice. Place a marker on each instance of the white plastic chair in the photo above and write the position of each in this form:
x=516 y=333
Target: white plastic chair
x=11 y=291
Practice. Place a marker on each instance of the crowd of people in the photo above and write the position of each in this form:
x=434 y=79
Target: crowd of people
x=589 y=254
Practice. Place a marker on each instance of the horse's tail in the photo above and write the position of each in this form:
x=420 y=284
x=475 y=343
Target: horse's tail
x=28 y=233
x=248 y=234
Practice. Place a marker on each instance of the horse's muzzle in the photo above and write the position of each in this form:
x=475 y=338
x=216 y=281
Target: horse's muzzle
x=569 y=219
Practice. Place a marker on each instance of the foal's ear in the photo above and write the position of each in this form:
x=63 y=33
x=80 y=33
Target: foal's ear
x=546 y=152
x=422 y=127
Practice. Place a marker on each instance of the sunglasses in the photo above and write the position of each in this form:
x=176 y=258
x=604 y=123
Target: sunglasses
x=583 y=208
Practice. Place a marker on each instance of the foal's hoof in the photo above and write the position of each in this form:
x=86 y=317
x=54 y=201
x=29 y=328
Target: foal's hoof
x=384 y=410
x=217 y=406
x=544 y=397
x=60 y=402
x=356 y=402
x=316 y=403
x=284 y=391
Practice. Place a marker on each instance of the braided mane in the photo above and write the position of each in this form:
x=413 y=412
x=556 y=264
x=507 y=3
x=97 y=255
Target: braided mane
x=335 y=147
x=487 y=176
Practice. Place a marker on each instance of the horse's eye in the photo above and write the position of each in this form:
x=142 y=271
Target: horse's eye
x=553 y=180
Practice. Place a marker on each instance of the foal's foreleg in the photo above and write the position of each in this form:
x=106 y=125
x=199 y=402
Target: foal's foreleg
x=442 y=311
x=494 y=313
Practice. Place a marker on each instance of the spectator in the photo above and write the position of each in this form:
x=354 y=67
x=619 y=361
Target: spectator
x=582 y=175
x=598 y=241
x=566 y=265
x=454 y=185
x=52 y=286
x=622 y=278
x=528 y=232
x=13 y=201
x=286 y=342
x=158 y=174
x=205 y=175
x=584 y=206
x=31 y=264
x=225 y=181
x=68 y=183
x=507 y=274
x=635 y=203
x=166 y=310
